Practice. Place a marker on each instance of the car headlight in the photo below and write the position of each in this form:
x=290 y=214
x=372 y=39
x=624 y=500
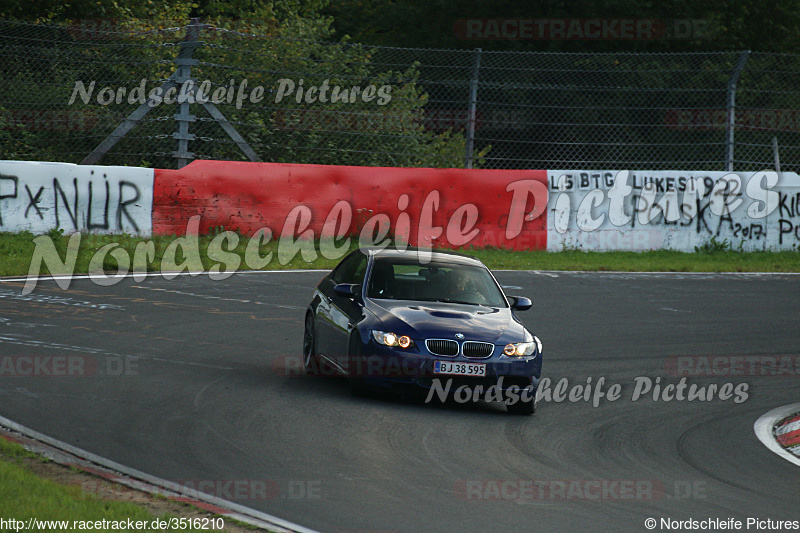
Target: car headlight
x=521 y=349
x=391 y=339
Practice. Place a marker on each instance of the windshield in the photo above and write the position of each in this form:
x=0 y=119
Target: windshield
x=404 y=279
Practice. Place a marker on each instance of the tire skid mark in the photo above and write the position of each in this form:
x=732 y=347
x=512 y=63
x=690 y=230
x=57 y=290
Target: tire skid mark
x=129 y=334
x=7 y=294
x=219 y=298
x=50 y=310
x=7 y=322
x=16 y=340
x=682 y=448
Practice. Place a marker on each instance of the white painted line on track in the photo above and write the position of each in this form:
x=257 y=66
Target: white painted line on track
x=555 y=273
x=148 y=275
x=237 y=511
x=218 y=298
x=764 y=430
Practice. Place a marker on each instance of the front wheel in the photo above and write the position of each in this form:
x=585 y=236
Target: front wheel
x=524 y=404
x=355 y=380
x=310 y=361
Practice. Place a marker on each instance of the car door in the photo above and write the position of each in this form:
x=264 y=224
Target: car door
x=347 y=311
x=339 y=313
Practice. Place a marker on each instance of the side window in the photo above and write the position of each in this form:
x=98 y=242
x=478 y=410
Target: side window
x=360 y=271
x=351 y=270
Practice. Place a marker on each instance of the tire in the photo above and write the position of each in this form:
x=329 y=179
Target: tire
x=357 y=384
x=310 y=361
x=522 y=407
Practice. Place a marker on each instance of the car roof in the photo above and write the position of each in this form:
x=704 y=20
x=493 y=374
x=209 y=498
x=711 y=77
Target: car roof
x=437 y=255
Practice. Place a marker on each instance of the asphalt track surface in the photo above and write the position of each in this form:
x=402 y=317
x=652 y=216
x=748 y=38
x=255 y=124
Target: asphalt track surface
x=188 y=381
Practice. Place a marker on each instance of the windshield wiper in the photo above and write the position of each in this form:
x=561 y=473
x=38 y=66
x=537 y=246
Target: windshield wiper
x=451 y=301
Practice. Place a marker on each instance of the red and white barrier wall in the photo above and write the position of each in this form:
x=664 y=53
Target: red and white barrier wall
x=520 y=209
x=439 y=206
x=787 y=433
x=676 y=210
x=37 y=197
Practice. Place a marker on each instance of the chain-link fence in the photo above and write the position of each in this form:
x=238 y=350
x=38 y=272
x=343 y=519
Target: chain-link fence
x=91 y=94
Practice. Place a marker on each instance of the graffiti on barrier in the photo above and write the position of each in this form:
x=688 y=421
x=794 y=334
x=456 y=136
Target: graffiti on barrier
x=634 y=210
x=38 y=197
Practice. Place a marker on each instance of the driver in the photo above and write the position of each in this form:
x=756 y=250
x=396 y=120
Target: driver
x=459 y=285
x=457 y=282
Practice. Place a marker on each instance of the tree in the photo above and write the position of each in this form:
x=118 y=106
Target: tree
x=244 y=41
x=763 y=25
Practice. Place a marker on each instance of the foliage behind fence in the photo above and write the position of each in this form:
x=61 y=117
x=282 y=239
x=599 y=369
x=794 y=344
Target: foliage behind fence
x=447 y=108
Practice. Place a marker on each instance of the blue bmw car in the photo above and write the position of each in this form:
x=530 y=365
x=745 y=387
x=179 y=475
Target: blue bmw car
x=430 y=319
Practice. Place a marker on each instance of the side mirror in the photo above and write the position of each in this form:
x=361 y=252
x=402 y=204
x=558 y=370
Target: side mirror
x=520 y=303
x=348 y=290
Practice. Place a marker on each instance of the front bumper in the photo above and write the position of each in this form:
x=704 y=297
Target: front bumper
x=387 y=366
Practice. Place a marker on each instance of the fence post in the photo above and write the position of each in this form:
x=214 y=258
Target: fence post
x=184 y=58
x=473 y=105
x=184 y=62
x=181 y=81
x=730 y=123
x=776 y=155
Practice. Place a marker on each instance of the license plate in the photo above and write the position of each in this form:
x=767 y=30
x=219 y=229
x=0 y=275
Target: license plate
x=459 y=369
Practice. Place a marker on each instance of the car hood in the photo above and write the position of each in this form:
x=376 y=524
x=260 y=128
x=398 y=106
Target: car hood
x=425 y=320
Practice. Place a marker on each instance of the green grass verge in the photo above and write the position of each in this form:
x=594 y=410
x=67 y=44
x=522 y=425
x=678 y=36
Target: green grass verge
x=17 y=251
x=653 y=261
x=24 y=495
